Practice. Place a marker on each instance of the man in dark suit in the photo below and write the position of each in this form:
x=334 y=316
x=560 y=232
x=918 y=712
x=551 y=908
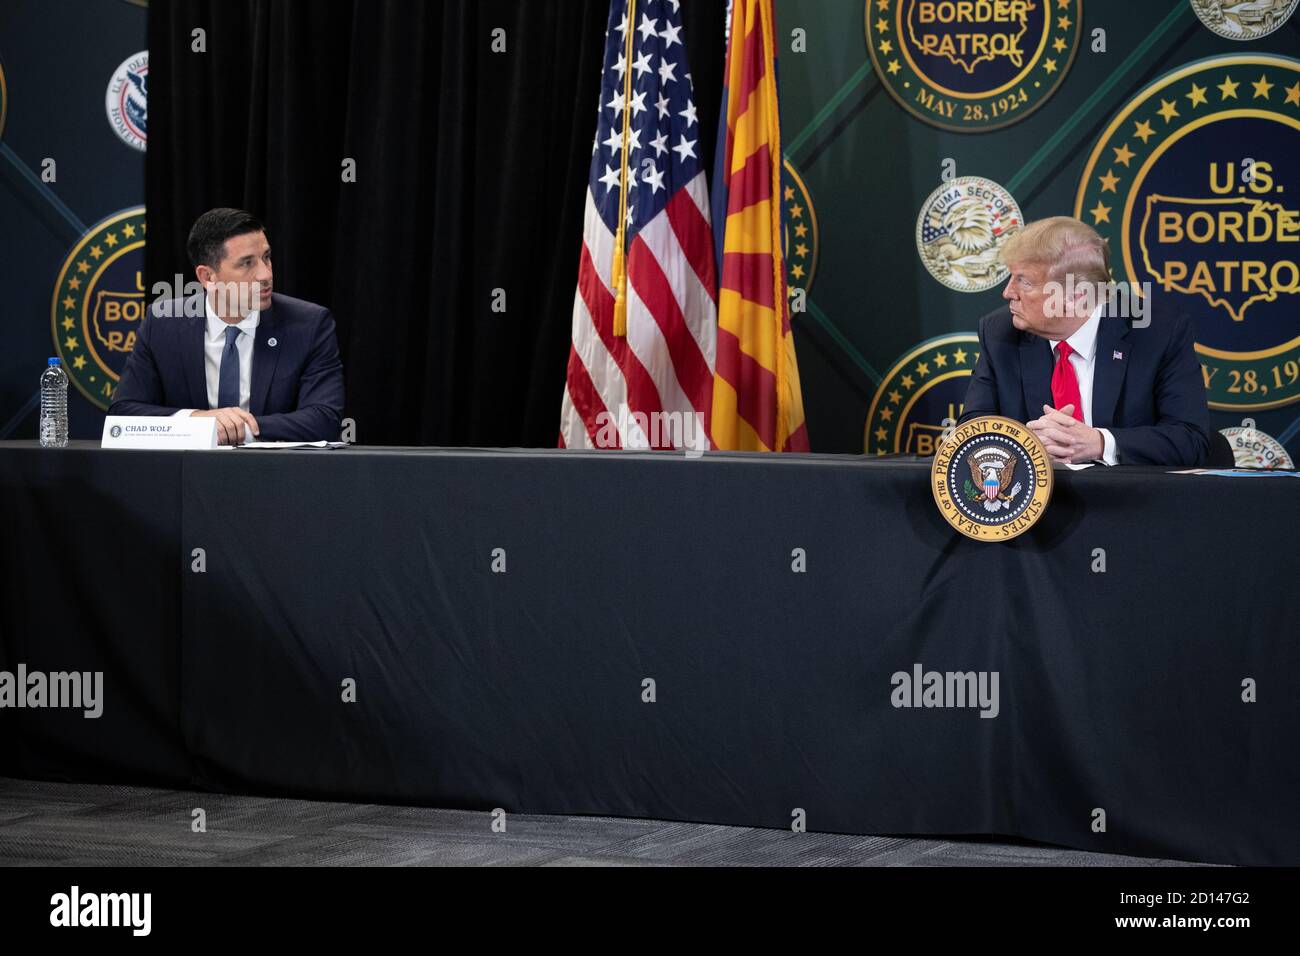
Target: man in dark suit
x=264 y=365
x=1093 y=387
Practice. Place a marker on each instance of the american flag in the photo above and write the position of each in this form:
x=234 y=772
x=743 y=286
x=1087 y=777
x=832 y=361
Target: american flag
x=999 y=226
x=931 y=232
x=664 y=364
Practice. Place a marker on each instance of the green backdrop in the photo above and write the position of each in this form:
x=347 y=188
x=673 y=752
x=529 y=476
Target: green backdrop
x=881 y=335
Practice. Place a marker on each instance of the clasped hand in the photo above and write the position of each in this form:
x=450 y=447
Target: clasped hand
x=1065 y=437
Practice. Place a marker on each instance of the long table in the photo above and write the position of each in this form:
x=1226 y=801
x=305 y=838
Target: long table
x=728 y=639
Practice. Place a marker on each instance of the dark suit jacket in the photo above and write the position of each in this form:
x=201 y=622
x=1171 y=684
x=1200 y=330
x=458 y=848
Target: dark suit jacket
x=296 y=387
x=1151 y=397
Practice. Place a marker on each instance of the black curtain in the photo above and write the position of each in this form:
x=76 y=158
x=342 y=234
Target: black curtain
x=471 y=171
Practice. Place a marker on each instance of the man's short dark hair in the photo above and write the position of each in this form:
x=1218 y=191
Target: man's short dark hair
x=207 y=243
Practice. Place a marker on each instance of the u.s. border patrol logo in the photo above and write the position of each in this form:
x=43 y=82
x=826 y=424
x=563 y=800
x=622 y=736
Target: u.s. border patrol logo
x=99 y=302
x=991 y=478
x=960 y=231
x=972 y=65
x=1196 y=185
x=801 y=234
x=127 y=100
x=1243 y=19
x=1252 y=448
x=921 y=396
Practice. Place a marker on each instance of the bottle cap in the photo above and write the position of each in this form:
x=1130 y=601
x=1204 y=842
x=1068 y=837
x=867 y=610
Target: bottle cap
x=55 y=360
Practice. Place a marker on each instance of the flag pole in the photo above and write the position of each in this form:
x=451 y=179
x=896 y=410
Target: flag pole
x=619 y=277
x=766 y=10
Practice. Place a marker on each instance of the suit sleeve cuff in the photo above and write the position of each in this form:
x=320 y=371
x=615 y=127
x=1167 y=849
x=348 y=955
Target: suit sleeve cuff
x=1109 y=454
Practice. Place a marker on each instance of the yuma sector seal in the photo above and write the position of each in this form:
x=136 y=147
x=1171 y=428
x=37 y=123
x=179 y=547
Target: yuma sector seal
x=99 y=302
x=1252 y=448
x=921 y=396
x=972 y=65
x=1195 y=184
x=127 y=100
x=961 y=229
x=1243 y=19
x=991 y=479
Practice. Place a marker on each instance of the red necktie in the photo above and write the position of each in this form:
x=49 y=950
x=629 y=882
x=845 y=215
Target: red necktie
x=1065 y=384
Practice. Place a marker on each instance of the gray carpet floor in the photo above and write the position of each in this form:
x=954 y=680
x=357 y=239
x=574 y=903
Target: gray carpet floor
x=55 y=824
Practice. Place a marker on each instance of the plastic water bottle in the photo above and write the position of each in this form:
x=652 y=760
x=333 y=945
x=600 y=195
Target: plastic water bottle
x=54 y=405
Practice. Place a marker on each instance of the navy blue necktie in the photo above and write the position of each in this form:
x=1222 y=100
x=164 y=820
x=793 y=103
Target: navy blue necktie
x=228 y=380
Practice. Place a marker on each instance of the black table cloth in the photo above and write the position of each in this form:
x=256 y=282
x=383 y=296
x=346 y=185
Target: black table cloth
x=630 y=634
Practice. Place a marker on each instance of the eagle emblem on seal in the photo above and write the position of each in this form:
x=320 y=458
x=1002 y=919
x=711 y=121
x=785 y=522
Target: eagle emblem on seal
x=992 y=469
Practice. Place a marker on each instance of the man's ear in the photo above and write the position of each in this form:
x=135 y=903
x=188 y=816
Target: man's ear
x=206 y=275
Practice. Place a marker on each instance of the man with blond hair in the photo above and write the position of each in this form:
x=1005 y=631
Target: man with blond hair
x=1093 y=385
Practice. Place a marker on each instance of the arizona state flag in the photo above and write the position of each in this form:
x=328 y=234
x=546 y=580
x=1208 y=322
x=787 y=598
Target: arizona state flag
x=757 y=403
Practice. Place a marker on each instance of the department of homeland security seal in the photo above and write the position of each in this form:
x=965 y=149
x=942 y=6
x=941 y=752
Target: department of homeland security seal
x=801 y=234
x=991 y=478
x=960 y=231
x=99 y=302
x=972 y=65
x=1253 y=448
x=127 y=100
x=1195 y=185
x=1243 y=19
x=921 y=396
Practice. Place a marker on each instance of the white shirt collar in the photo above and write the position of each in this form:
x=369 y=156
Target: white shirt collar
x=1084 y=339
x=217 y=326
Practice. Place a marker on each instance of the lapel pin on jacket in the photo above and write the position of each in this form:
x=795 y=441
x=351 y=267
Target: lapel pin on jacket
x=273 y=343
x=1117 y=356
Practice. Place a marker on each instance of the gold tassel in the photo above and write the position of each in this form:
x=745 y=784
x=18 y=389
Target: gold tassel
x=620 y=291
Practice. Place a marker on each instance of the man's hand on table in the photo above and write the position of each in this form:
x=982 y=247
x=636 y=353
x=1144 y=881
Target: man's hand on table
x=1066 y=438
x=230 y=424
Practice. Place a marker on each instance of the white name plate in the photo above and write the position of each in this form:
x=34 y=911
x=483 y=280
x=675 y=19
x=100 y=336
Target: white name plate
x=140 y=431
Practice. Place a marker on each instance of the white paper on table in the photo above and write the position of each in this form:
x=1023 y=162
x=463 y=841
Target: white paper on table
x=1240 y=472
x=292 y=444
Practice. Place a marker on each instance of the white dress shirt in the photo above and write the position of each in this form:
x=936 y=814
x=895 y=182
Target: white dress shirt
x=1084 y=362
x=214 y=343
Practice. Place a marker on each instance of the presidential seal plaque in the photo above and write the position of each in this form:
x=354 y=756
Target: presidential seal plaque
x=991 y=478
